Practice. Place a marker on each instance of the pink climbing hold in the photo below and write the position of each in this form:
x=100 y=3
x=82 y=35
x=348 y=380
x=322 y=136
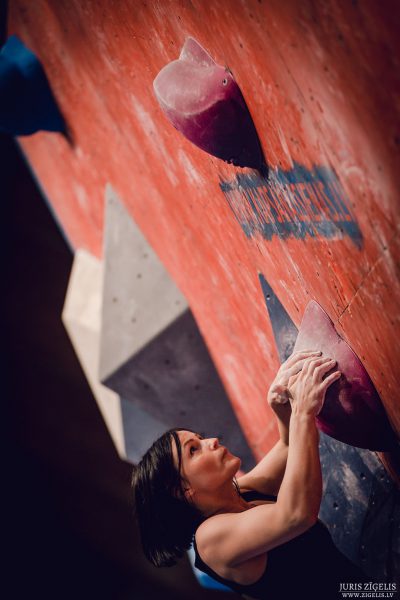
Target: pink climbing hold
x=352 y=410
x=203 y=101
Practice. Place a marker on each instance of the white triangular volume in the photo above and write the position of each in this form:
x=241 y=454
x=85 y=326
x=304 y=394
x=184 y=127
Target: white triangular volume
x=82 y=319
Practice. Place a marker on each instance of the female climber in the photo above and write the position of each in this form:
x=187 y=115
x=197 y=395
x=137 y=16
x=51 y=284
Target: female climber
x=258 y=534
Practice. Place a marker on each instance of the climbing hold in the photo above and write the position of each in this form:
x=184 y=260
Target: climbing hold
x=203 y=101
x=27 y=104
x=352 y=410
x=285 y=331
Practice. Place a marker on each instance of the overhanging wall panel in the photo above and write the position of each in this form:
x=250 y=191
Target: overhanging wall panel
x=309 y=73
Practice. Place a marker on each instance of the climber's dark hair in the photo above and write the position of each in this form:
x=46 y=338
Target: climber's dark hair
x=167 y=520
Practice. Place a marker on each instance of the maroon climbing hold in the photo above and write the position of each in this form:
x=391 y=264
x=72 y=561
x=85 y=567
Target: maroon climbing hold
x=203 y=101
x=352 y=411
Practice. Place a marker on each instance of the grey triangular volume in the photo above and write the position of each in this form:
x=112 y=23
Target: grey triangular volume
x=285 y=331
x=140 y=430
x=174 y=381
x=139 y=297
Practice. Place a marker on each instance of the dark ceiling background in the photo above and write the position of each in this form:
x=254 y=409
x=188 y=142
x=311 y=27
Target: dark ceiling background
x=68 y=518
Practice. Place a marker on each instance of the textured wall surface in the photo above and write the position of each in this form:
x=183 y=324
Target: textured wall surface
x=322 y=82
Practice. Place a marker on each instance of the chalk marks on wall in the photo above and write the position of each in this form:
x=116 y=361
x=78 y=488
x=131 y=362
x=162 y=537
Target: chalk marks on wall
x=297 y=203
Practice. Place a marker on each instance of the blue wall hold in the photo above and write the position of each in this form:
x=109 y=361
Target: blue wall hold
x=27 y=103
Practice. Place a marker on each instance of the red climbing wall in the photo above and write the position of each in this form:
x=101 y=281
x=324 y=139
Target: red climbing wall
x=322 y=82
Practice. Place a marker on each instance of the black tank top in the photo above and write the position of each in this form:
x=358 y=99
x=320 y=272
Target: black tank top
x=309 y=565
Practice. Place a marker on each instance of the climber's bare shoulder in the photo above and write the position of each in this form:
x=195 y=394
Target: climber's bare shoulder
x=236 y=545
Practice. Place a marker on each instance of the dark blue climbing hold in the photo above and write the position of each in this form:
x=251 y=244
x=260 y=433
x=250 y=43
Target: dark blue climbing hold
x=285 y=331
x=27 y=103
